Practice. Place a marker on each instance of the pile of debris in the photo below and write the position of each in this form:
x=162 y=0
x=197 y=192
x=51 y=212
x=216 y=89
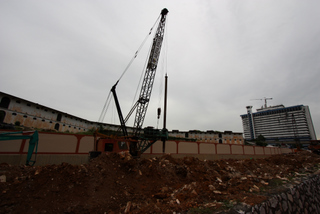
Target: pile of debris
x=116 y=184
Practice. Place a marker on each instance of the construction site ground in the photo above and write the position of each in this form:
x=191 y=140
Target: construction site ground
x=121 y=184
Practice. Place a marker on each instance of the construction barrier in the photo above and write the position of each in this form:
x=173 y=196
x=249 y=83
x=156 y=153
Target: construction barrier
x=55 y=148
x=213 y=151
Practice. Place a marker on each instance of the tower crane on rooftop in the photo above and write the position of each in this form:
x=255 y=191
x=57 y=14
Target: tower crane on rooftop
x=265 y=101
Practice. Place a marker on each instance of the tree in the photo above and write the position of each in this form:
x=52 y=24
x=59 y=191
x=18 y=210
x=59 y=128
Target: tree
x=261 y=141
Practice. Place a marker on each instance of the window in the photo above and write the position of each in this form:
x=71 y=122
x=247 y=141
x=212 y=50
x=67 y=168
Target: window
x=5 y=101
x=122 y=145
x=59 y=117
x=56 y=127
x=2 y=116
x=108 y=147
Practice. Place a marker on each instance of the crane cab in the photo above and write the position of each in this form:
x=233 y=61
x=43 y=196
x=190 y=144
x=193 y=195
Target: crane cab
x=112 y=145
x=109 y=144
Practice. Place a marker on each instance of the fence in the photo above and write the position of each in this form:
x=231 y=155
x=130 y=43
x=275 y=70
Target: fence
x=213 y=151
x=55 y=148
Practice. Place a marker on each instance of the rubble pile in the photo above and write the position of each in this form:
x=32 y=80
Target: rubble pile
x=118 y=184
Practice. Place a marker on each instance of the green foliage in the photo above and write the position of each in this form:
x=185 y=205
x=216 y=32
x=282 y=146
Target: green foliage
x=261 y=141
x=275 y=182
x=182 y=139
x=100 y=128
x=246 y=143
x=227 y=204
x=110 y=132
x=89 y=132
x=200 y=210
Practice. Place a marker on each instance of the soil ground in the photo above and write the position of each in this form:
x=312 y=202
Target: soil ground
x=118 y=184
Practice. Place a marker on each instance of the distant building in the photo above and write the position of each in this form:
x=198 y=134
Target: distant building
x=15 y=110
x=210 y=136
x=279 y=123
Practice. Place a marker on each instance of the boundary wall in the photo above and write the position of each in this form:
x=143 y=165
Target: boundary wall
x=55 y=148
x=212 y=151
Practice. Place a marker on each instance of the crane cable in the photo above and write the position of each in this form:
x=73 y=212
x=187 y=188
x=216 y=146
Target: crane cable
x=107 y=102
x=136 y=53
x=105 y=108
x=141 y=77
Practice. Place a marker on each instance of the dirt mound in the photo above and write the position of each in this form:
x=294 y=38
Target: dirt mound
x=115 y=184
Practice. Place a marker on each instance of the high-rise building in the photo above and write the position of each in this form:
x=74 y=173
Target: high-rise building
x=279 y=123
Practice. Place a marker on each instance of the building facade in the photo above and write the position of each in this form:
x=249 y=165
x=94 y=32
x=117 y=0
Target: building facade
x=14 y=110
x=17 y=111
x=279 y=123
x=226 y=137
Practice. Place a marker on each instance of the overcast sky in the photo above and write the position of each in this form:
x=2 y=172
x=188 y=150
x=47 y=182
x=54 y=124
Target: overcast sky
x=219 y=56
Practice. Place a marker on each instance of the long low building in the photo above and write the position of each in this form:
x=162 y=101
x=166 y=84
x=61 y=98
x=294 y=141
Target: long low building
x=17 y=111
x=279 y=124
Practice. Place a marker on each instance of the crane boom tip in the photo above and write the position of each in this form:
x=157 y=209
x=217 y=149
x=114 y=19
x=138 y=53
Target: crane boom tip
x=164 y=11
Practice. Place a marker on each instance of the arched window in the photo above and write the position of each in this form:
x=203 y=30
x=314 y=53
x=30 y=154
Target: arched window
x=5 y=101
x=220 y=140
x=56 y=127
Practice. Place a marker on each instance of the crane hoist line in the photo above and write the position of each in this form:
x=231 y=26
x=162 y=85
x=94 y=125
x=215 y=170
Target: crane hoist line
x=138 y=142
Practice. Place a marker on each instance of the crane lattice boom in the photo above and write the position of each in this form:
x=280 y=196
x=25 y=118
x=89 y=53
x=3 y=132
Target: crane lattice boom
x=149 y=76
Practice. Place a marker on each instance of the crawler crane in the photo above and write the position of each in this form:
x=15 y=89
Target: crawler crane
x=141 y=139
